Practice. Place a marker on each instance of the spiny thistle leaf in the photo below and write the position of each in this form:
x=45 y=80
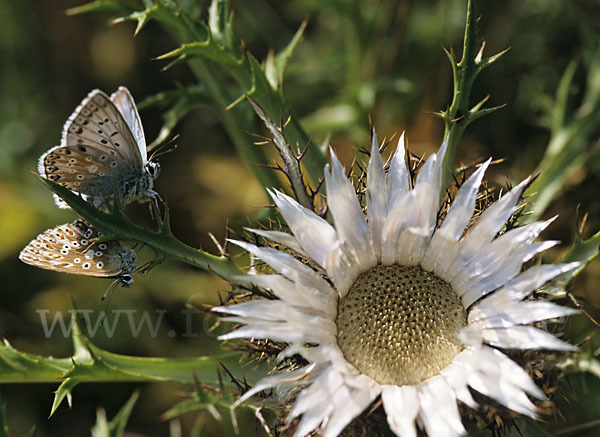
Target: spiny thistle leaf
x=92 y=364
x=18 y=366
x=572 y=138
x=474 y=114
x=582 y=251
x=64 y=390
x=191 y=406
x=261 y=87
x=563 y=91
x=181 y=102
x=164 y=11
x=210 y=50
x=220 y=23
x=275 y=65
x=116 y=427
x=486 y=62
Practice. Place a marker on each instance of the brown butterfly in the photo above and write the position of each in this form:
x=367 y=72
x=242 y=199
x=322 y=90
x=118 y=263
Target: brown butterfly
x=67 y=248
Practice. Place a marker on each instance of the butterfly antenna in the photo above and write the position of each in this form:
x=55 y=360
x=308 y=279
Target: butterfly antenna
x=106 y=296
x=165 y=148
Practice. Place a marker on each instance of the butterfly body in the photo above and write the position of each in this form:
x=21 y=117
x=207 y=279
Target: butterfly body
x=102 y=150
x=68 y=248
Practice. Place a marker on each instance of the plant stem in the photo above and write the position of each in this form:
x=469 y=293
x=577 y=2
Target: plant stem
x=459 y=115
x=162 y=241
x=464 y=73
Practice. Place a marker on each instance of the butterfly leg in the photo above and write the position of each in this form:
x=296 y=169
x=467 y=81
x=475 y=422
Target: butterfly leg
x=158 y=259
x=155 y=207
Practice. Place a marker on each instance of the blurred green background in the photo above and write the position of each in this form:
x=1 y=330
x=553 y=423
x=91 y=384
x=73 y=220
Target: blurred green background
x=359 y=59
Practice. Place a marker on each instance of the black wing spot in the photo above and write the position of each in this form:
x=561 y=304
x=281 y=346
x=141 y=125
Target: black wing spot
x=82 y=149
x=103 y=141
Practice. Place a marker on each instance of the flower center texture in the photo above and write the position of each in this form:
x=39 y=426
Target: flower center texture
x=399 y=325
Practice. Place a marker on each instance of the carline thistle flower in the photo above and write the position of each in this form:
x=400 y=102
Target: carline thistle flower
x=393 y=305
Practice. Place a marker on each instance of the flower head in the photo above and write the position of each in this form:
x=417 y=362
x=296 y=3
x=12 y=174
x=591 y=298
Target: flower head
x=394 y=305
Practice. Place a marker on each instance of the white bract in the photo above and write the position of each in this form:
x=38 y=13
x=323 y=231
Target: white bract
x=400 y=308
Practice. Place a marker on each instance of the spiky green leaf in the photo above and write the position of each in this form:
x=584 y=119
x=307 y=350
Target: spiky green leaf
x=275 y=65
x=116 y=427
x=180 y=103
x=581 y=251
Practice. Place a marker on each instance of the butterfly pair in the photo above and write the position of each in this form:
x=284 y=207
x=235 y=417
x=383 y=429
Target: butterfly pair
x=102 y=152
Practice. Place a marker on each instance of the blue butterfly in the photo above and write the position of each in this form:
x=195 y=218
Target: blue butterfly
x=102 y=147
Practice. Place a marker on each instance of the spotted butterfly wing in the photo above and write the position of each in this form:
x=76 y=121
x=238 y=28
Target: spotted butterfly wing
x=102 y=146
x=67 y=248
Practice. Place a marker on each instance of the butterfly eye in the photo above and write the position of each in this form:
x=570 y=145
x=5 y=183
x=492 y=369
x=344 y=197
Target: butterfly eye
x=153 y=168
x=126 y=279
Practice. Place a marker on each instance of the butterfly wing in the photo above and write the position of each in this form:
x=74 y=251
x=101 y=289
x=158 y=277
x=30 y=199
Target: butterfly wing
x=97 y=151
x=67 y=248
x=99 y=123
x=124 y=102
